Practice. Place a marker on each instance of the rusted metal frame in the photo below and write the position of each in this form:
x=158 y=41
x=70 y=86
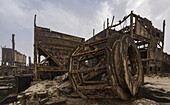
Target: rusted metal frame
x=55 y=60
x=43 y=60
x=89 y=52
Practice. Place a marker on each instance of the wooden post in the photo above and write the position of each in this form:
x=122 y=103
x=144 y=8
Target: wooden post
x=13 y=48
x=148 y=59
x=104 y=25
x=29 y=61
x=163 y=34
x=107 y=31
x=163 y=46
x=93 y=32
x=131 y=24
x=112 y=20
x=35 y=50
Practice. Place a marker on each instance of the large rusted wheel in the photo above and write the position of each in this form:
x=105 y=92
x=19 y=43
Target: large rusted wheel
x=107 y=67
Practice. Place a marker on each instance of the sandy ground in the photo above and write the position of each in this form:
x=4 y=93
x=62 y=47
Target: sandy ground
x=157 y=88
x=157 y=82
x=156 y=91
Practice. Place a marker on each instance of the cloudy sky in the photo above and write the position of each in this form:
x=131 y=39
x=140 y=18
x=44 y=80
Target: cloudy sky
x=76 y=17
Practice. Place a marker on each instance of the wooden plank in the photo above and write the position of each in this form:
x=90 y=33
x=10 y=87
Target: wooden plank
x=57 y=43
x=60 y=37
x=89 y=52
x=54 y=59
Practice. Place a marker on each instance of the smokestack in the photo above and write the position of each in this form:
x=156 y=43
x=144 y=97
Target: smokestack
x=29 y=61
x=13 y=41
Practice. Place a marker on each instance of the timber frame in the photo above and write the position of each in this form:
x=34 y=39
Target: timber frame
x=149 y=41
x=111 y=63
x=51 y=52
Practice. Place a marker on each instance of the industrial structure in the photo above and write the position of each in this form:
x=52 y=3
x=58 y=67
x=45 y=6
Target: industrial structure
x=10 y=56
x=13 y=62
x=112 y=62
x=51 y=52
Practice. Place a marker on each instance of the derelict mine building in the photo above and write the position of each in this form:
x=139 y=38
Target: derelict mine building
x=51 y=52
x=13 y=61
x=56 y=47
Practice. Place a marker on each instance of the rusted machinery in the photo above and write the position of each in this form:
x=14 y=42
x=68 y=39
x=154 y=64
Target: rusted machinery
x=107 y=65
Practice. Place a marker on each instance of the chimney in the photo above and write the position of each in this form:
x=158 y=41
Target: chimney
x=13 y=41
x=29 y=61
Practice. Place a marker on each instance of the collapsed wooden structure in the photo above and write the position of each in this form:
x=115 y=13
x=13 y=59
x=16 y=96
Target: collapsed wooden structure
x=106 y=66
x=110 y=63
